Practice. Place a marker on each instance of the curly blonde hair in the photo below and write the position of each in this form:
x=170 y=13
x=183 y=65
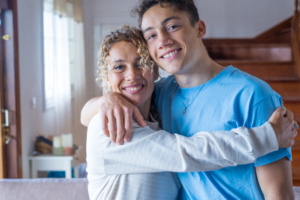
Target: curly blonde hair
x=128 y=34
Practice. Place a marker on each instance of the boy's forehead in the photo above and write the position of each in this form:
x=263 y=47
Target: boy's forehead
x=157 y=14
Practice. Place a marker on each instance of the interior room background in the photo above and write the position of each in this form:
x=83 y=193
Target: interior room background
x=224 y=19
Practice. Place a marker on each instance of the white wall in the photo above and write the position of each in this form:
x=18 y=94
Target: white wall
x=242 y=18
x=34 y=121
x=224 y=18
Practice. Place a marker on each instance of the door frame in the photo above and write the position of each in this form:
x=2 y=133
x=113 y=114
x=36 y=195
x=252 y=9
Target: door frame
x=11 y=162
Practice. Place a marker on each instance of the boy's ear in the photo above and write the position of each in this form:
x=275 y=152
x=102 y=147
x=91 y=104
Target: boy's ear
x=201 y=28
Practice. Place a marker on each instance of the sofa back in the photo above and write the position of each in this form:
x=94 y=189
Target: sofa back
x=44 y=189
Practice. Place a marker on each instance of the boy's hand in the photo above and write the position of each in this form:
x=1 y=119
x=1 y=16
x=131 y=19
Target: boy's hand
x=283 y=122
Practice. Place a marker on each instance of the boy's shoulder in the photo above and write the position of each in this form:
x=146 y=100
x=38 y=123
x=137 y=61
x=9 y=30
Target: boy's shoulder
x=246 y=84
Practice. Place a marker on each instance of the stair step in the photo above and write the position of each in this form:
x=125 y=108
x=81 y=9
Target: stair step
x=296 y=182
x=295 y=107
x=296 y=151
x=296 y=147
x=250 y=44
x=251 y=51
x=289 y=90
x=267 y=71
x=296 y=170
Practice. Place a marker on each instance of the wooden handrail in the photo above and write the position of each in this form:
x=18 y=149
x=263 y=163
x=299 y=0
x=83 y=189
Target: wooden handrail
x=295 y=38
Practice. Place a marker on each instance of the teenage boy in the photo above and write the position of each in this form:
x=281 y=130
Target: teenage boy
x=201 y=96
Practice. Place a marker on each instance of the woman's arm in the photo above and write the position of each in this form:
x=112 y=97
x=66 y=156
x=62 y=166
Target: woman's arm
x=157 y=151
x=115 y=107
x=89 y=110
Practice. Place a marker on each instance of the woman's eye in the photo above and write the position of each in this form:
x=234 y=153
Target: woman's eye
x=139 y=65
x=118 y=67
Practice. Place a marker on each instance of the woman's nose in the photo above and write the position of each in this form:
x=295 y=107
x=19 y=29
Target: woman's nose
x=133 y=73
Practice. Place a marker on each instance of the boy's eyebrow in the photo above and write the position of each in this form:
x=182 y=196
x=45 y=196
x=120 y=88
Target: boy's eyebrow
x=168 y=19
x=162 y=23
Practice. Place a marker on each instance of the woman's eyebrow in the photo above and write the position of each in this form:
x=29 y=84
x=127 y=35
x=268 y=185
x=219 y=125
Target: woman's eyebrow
x=120 y=60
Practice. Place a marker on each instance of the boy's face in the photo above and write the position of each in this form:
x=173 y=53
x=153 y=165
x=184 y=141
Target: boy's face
x=173 y=43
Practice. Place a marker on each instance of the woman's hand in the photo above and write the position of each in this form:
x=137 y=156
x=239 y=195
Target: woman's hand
x=116 y=116
x=283 y=122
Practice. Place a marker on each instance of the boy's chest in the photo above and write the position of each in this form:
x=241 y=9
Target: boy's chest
x=206 y=113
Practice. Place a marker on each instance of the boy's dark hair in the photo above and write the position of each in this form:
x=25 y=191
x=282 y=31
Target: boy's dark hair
x=186 y=6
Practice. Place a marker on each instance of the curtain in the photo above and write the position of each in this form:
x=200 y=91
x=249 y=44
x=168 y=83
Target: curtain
x=78 y=81
x=62 y=75
x=68 y=66
x=60 y=8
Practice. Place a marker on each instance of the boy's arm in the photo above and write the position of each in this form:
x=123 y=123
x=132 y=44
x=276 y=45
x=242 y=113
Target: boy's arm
x=274 y=169
x=275 y=180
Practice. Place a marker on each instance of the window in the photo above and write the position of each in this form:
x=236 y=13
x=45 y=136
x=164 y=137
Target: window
x=49 y=58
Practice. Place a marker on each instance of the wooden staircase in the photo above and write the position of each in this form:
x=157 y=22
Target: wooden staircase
x=273 y=56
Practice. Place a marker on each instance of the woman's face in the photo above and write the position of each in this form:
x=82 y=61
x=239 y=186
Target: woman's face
x=126 y=76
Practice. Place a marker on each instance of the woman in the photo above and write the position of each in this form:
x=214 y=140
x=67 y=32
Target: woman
x=126 y=172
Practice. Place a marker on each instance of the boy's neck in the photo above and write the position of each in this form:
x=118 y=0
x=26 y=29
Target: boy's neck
x=199 y=74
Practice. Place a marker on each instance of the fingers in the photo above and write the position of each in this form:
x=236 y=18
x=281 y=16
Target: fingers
x=111 y=126
x=120 y=126
x=290 y=115
x=103 y=123
x=281 y=110
x=292 y=135
x=277 y=115
x=138 y=117
x=128 y=124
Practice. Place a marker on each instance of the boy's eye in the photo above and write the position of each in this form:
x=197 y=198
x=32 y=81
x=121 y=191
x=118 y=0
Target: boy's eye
x=172 y=27
x=150 y=36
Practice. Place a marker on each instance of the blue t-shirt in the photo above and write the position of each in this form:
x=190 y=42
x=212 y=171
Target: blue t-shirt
x=230 y=100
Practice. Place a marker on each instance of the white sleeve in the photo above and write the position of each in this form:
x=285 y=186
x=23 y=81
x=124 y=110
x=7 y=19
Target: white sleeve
x=159 y=151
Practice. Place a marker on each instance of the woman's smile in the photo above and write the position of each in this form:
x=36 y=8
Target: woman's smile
x=134 y=88
x=127 y=76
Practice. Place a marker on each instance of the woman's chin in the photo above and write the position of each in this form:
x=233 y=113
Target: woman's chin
x=135 y=101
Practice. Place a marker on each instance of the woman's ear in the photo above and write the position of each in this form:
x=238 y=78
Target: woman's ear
x=108 y=82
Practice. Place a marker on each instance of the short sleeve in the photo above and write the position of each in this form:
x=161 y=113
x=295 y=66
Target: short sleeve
x=258 y=115
x=159 y=85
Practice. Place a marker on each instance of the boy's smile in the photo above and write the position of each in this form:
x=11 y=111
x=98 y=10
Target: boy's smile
x=172 y=40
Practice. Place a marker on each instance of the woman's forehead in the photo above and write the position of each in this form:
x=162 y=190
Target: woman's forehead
x=124 y=51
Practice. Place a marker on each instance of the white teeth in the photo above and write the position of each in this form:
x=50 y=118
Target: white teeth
x=133 y=88
x=170 y=54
